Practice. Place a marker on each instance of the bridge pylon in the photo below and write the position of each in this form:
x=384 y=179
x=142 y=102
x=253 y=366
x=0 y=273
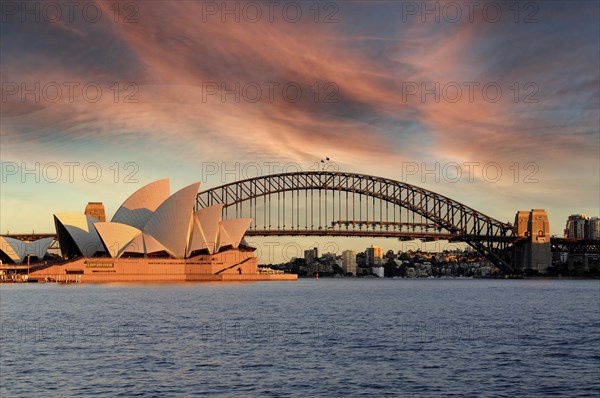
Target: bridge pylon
x=532 y=249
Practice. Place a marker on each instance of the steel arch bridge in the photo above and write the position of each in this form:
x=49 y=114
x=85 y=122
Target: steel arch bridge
x=325 y=203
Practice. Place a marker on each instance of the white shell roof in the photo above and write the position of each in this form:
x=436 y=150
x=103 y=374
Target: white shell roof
x=139 y=207
x=172 y=221
x=38 y=247
x=144 y=244
x=149 y=221
x=224 y=239
x=13 y=248
x=197 y=241
x=232 y=231
x=18 y=250
x=136 y=245
x=80 y=228
x=116 y=236
x=152 y=245
x=205 y=234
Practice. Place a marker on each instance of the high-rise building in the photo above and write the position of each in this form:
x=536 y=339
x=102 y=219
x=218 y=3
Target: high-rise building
x=374 y=255
x=349 y=261
x=577 y=226
x=581 y=226
x=96 y=210
x=594 y=228
x=311 y=255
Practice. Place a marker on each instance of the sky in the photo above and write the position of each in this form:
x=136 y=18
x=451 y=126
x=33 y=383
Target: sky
x=494 y=104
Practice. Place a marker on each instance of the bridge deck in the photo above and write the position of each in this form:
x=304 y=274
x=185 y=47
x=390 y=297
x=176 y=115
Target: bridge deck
x=379 y=234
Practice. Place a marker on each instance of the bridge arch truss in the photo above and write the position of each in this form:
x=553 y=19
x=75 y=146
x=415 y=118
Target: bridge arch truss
x=330 y=203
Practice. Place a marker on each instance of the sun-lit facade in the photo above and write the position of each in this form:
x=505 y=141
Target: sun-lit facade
x=151 y=223
x=154 y=236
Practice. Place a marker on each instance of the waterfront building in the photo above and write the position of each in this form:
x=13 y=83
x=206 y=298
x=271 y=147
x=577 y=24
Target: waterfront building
x=576 y=226
x=311 y=255
x=349 y=261
x=374 y=254
x=154 y=236
x=581 y=226
x=594 y=228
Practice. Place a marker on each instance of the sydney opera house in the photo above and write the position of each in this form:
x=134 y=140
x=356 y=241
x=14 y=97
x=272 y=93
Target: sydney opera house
x=16 y=251
x=153 y=236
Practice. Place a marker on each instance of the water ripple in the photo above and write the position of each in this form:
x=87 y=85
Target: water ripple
x=331 y=338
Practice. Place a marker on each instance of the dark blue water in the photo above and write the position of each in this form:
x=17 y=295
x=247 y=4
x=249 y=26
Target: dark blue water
x=332 y=337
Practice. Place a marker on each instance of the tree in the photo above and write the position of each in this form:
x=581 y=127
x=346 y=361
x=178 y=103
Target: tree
x=402 y=270
x=337 y=269
x=390 y=255
x=390 y=268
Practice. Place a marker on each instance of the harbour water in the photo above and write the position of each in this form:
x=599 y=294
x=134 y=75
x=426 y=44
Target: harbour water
x=330 y=338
